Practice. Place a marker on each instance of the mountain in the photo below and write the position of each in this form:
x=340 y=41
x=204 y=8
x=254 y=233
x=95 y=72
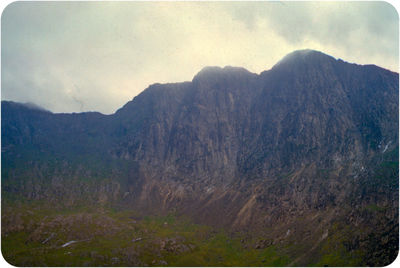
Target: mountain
x=303 y=154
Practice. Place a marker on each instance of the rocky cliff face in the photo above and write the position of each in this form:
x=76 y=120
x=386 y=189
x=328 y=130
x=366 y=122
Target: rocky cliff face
x=311 y=142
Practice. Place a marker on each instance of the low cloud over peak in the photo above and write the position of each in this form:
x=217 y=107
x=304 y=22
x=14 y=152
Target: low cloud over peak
x=82 y=56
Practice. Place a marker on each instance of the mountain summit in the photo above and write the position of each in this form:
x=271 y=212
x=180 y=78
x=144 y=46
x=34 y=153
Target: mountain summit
x=306 y=55
x=303 y=154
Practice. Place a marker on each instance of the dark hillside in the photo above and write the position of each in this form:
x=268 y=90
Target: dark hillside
x=303 y=155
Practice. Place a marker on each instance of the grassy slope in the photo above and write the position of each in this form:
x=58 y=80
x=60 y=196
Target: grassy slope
x=106 y=239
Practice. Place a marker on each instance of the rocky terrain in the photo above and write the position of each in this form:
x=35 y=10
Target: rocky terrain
x=304 y=156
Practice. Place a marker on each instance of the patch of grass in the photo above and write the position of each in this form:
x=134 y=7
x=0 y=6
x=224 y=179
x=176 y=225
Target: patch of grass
x=333 y=251
x=375 y=208
x=338 y=259
x=111 y=241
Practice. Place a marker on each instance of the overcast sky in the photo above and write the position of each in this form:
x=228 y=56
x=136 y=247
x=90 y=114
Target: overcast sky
x=96 y=56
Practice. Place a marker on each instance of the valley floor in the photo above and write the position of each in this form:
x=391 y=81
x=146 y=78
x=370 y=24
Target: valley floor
x=87 y=236
x=36 y=234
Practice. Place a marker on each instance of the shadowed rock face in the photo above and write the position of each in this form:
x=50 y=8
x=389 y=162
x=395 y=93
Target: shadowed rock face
x=312 y=136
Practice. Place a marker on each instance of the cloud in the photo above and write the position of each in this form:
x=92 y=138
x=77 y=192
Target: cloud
x=363 y=32
x=73 y=56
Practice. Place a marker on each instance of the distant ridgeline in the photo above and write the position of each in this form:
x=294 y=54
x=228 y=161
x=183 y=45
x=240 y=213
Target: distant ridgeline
x=303 y=155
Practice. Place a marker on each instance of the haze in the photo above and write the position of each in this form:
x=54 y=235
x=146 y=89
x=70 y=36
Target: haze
x=96 y=56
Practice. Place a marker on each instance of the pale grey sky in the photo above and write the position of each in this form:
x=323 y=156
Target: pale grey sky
x=96 y=56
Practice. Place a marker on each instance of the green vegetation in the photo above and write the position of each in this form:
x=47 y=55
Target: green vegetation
x=373 y=208
x=333 y=251
x=34 y=235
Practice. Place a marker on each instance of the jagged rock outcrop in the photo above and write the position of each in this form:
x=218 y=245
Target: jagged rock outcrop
x=312 y=138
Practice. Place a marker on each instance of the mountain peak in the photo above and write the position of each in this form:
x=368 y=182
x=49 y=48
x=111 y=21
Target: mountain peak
x=304 y=56
x=270 y=158
x=212 y=71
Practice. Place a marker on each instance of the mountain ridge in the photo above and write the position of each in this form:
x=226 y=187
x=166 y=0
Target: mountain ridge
x=297 y=56
x=314 y=143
